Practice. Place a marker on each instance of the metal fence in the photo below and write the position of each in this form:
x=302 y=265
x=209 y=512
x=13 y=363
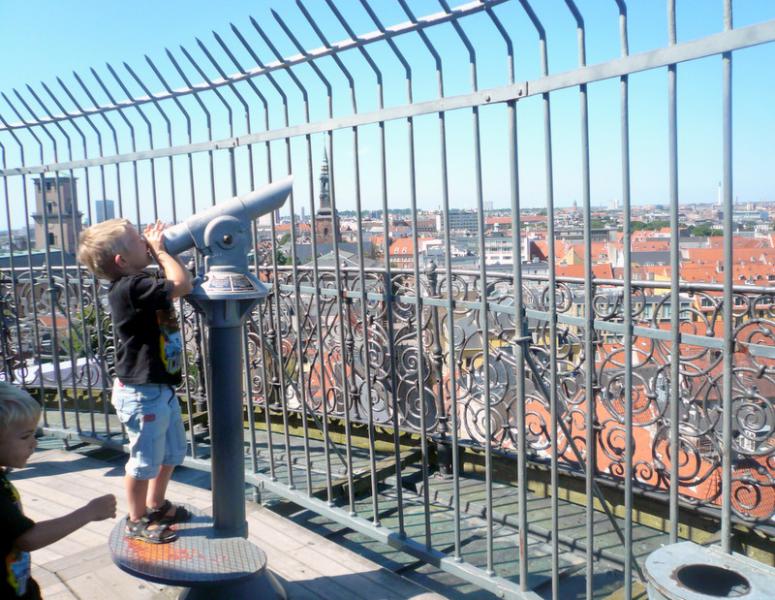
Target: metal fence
x=538 y=368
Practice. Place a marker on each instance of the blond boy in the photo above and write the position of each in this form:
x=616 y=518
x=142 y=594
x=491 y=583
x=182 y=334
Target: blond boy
x=149 y=352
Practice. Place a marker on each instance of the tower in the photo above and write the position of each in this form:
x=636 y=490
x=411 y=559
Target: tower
x=55 y=201
x=326 y=220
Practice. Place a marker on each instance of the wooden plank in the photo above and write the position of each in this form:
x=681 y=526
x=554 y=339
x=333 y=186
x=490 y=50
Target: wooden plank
x=336 y=561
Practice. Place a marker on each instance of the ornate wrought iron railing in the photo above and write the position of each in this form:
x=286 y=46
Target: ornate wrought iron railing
x=335 y=375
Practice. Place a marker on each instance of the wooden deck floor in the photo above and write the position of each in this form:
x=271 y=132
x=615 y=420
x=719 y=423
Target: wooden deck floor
x=309 y=566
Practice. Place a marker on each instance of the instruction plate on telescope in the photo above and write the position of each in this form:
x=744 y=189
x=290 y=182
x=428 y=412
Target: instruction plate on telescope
x=241 y=283
x=214 y=282
x=237 y=283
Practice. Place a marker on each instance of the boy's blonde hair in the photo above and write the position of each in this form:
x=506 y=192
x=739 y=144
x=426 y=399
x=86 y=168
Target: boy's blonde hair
x=99 y=244
x=17 y=407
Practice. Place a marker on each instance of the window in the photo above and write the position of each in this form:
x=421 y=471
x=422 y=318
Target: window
x=52 y=239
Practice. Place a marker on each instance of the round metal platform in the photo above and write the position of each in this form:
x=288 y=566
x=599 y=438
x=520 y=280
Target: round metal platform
x=196 y=559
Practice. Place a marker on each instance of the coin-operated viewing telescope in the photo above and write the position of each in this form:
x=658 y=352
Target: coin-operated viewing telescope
x=225 y=291
x=222 y=235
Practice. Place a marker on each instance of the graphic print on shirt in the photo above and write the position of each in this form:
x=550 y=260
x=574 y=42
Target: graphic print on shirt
x=170 y=341
x=17 y=563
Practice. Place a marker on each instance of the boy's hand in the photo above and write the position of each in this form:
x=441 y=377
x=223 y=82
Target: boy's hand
x=153 y=237
x=101 y=508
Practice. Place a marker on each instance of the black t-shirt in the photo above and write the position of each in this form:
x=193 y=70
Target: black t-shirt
x=149 y=347
x=16 y=567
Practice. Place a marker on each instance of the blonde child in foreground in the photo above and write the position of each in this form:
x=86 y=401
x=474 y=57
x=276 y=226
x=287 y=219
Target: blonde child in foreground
x=20 y=535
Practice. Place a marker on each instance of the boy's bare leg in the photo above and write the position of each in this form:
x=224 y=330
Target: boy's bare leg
x=136 y=491
x=157 y=489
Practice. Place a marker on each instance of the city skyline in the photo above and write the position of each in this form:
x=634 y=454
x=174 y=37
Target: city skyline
x=699 y=148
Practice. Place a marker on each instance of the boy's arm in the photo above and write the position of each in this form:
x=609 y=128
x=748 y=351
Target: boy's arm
x=174 y=271
x=48 y=532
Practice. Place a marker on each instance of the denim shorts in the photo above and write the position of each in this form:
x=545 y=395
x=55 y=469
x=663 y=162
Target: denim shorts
x=151 y=414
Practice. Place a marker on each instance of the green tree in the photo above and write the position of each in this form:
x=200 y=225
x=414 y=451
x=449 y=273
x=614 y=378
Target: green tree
x=705 y=230
x=652 y=226
x=282 y=259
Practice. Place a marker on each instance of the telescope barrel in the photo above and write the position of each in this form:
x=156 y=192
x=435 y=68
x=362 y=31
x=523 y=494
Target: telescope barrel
x=245 y=208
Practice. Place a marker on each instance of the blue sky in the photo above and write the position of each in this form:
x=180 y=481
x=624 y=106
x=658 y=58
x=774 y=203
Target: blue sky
x=40 y=40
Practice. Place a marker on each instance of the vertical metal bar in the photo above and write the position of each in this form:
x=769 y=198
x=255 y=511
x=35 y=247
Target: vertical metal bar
x=389 y=278
x=521 y=335
x=201 y=348
x=294 y=262
x=63 y=260
x=168 y=123
x=35 y=326
x=337 y=271
x=101 y=345
x=245 y=108
x=589 y=317
x=76 y=224
x=8 y=366
x=47 y=247
x=96 y=307
x=419 y=336
x=226 y=105
x=729 y=343
x=361 y=270
x=151 y=161
x=233 y=180
x=133 y=141
x=292 y=75
x=552 y=299
x=249 y=405
x=51 y=287
x=205 y=376
x=418 y=303
x=279 y=347
x=627 y=304
x=300 y=346
x=483 y=292
x=354 y=391
x=267 y=417
x=675 y=298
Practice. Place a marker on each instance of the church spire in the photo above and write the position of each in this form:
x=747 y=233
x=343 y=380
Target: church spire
x=325 y=199
x=326 y=220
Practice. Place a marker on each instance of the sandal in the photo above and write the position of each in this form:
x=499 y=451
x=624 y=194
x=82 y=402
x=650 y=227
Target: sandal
x=159 y=515
x=147 y=531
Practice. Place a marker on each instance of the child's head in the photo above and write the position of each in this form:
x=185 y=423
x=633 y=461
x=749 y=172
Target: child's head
x=112 y=249
x=19 y=414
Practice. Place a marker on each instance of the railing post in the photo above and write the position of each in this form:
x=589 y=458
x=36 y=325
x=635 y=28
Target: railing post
x=273 y=386
x=443 y=448
x=348 y=352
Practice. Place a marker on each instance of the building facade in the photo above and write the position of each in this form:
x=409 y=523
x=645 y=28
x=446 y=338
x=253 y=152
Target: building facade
x=57 y=220
x=106 y=210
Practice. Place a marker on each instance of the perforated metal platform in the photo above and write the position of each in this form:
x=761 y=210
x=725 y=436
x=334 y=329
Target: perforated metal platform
x=196 y=558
